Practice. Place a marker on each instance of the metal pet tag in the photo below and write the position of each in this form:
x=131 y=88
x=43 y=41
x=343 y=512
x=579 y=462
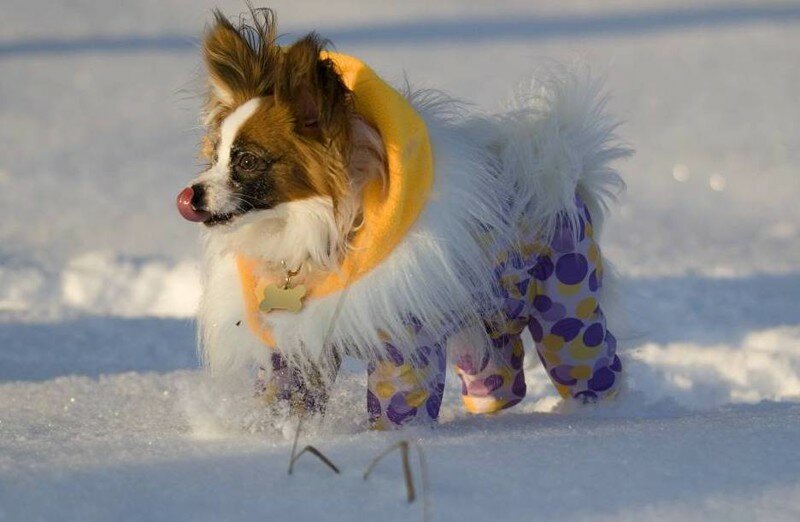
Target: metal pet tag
x=283 y=298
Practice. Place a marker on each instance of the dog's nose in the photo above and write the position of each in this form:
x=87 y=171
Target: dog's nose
x=198 y=197
x=191 y=202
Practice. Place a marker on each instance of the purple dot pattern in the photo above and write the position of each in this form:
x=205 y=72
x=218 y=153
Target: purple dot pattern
x=560 y=306
x=401 y=392
x=500 y=384
x=571 y=269
x=568 y=329
x=284 y=384
x=552 y=289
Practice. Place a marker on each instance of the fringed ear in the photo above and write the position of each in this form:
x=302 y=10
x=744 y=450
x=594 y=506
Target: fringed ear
x=226 y=55
x=314 y=89
x=243 y=61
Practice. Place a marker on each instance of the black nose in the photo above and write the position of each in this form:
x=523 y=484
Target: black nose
x=198 y=197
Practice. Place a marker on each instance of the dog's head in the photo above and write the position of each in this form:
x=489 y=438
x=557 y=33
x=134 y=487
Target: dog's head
x=283 y=145
x=277 y=123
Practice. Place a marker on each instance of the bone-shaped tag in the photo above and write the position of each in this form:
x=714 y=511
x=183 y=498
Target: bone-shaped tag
x=278 y=298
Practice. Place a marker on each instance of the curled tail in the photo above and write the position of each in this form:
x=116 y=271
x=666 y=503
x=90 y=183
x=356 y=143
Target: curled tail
x=558 y=140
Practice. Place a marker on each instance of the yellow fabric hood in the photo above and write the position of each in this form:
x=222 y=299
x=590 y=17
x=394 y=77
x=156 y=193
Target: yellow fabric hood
x=389 y=212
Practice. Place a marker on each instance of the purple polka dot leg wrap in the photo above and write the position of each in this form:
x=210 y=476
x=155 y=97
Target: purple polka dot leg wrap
x=401 y=392
x=553 y=290
x=286 y=385
x=497 y=382
x=572 y=341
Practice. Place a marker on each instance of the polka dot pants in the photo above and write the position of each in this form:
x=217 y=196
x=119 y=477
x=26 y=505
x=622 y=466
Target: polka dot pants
x=406 y=390
x=550 y=289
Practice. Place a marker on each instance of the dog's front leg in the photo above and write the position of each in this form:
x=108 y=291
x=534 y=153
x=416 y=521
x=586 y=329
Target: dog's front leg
x=302 y=391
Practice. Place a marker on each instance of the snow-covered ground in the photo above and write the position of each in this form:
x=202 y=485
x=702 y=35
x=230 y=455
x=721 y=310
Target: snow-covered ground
x=104 y=415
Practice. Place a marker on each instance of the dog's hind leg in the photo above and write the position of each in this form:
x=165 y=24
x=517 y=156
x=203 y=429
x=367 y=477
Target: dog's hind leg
x=497 y=382
x=406 y=390
x=567 y=322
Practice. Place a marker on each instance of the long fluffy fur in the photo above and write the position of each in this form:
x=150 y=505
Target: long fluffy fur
x=493 y=173
x=440 y=273
x=554 y=140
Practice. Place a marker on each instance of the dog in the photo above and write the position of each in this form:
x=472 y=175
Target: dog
x=343 y=217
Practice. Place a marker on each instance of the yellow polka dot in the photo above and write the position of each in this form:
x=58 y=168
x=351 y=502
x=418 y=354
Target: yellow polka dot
x=581 y=372
x=482 y=404
x=528 y=249
x=509 y=282
x=552 y=342
x=568 y=290
x=384 y=390
x=532 y=291
x=500 y=320
x=516 y=326
x=381 y=425
x=388 y=369
x=470 y=404
x=408 y=375
x=504 y=372
x=562 y=390
x=518 y=348
x=551 y=358
x=499 y=329
x=270 y=394
x=417 y=398
x=502 y=257
x=580 y=352
x=586 y=308
x=593 y=253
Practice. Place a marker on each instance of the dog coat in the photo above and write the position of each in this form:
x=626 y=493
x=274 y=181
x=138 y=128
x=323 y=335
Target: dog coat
x=469 y=234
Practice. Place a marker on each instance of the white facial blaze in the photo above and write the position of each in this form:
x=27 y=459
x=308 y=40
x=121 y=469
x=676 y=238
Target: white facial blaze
x=230 y=128
x=293 y=232
x=219 y=198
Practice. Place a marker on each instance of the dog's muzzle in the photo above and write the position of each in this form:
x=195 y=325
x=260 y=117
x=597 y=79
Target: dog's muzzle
x=190 y=204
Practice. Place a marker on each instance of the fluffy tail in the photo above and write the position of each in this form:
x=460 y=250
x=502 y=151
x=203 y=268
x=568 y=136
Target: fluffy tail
x=559 y=140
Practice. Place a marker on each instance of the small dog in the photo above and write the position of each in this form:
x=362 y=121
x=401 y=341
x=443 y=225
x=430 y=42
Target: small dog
x=345 y=218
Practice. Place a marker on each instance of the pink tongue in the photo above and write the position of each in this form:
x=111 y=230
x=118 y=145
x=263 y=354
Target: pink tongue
x=184 y=203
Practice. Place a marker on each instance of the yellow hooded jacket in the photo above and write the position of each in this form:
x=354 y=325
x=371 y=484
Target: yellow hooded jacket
x=389 y=212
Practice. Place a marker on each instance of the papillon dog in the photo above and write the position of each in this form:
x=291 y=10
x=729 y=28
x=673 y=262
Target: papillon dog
x=343 y=217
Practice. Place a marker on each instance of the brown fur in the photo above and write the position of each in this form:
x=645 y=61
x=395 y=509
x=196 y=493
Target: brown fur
x=305 y=132
x=302 y=169
x=242 y=63
x=305 y=123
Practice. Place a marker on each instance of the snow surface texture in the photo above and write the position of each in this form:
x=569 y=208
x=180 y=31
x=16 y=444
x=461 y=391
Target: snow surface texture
x=104 y=415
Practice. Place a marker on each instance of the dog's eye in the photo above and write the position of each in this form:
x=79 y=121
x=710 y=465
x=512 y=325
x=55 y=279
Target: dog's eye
x=248 y=162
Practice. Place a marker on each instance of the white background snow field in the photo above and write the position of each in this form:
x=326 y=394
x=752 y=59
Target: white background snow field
x=105 y=414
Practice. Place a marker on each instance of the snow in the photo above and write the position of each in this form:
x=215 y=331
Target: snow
x=104 y=414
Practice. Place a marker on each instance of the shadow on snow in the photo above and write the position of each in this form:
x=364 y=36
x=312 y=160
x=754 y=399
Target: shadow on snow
x=457 y=30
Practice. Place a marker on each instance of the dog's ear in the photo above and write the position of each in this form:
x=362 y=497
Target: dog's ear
x=226 y=55
x=241 y=62
x=318 y=97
